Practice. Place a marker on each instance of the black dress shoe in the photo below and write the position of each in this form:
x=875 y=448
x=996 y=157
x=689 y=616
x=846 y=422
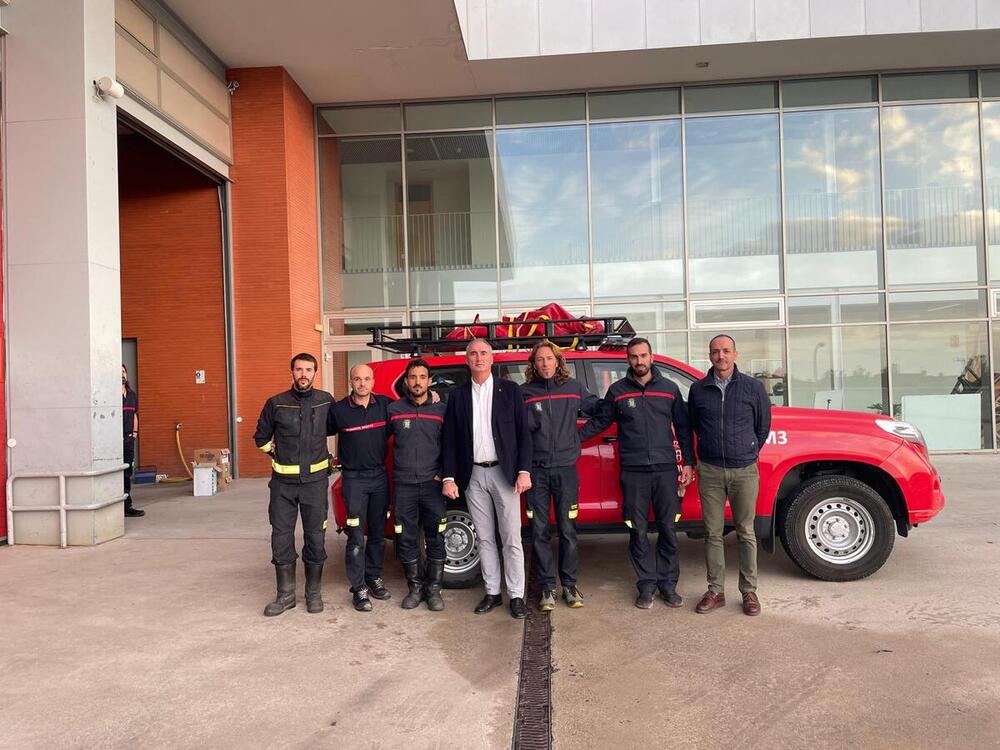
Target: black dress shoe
x=488 y=602
x=671 y=597
x=377 y=589
x=361 y=601
x=517 y=608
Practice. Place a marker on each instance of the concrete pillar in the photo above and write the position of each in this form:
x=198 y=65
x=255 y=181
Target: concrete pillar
x=64 y=316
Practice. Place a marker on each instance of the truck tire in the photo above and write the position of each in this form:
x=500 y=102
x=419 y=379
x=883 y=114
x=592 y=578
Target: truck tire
x=838 y=529
x=461 y=543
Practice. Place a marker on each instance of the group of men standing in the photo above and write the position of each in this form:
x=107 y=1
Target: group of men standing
x=494 y=441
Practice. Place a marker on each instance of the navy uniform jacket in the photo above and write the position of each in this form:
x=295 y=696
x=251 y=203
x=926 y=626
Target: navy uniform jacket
x=553 y=410
x=416 y=431
x=645 y=414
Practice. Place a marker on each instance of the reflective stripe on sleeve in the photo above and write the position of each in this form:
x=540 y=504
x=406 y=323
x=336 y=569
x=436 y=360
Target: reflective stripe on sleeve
x=629 y=524
x=266 y=447
x=398 y=528
x=353 y=521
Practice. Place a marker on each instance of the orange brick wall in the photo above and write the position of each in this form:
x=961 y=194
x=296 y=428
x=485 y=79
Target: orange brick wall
x=172 y=300
x=275 y=242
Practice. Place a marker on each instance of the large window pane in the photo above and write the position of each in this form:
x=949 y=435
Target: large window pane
x=833 y=205
x=452 y=227
x=933 y=197
x=761 y=354
x=637 y=214
x=542 y=179
x=941 y=383
x=991 y=142
x=839 y=368
x=363 y=261
x=733 y=203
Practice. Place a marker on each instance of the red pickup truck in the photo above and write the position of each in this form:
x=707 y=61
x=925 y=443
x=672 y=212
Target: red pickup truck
x=835 y=486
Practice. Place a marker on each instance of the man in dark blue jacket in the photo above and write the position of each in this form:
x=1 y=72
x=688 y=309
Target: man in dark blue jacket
x=731 y=415
x=554 y=400
x=648 y=408
x=415 y=423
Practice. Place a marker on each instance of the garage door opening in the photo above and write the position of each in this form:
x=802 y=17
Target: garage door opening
x=173 y=301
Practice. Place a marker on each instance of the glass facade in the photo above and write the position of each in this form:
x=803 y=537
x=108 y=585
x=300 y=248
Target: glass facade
x=845 y=230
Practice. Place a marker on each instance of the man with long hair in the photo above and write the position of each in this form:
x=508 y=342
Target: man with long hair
x=130 y=426
x=554 y=400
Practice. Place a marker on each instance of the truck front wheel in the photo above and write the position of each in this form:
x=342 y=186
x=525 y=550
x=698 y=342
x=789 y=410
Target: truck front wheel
x=838 y=529
x=461 y=544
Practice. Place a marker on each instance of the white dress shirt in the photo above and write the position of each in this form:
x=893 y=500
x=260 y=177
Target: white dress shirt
x=483 y=448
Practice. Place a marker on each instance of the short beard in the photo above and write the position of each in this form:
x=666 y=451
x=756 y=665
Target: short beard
x=300 y=389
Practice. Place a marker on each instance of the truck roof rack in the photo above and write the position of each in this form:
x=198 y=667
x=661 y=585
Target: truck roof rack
x=418 y=340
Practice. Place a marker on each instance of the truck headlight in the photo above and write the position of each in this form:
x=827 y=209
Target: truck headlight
x=903 y=430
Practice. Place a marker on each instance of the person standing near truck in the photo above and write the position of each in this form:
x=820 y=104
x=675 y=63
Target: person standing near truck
x=292 y=429
x=554 y=400
x=415 y=423
x=649 y=409
x=731 y=415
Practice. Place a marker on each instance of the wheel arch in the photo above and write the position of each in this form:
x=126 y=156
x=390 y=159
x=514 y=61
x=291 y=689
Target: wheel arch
x=876 y=478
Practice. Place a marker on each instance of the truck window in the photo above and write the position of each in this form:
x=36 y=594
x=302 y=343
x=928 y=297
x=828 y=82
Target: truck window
x=605 y=372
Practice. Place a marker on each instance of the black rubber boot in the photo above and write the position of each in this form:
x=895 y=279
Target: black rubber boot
x=285 y=599
x=432 y=591
x=314 y=580
x=416 y=595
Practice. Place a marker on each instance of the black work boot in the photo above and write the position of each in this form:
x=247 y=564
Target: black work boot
x=285 y=599
x=314 y=580
x=435 y=572
x=130 y=511
x=412 y=572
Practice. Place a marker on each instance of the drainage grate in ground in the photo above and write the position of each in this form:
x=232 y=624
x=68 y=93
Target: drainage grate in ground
x=533 y=717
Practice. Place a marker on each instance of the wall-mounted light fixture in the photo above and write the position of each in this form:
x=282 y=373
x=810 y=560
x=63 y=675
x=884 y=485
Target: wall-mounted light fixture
x=106 y=87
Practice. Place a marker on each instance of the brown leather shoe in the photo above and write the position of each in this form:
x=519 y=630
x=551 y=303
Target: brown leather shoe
x=711 y=600
x=751 y=604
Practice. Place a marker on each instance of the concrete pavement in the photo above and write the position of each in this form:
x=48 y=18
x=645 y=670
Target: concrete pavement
x=157 y=640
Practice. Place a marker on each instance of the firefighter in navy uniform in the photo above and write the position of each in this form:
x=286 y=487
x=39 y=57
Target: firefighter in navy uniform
x=646 y=405
x=415 y=422
x=554 y=400
x=361 y=422
x=292 y=429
